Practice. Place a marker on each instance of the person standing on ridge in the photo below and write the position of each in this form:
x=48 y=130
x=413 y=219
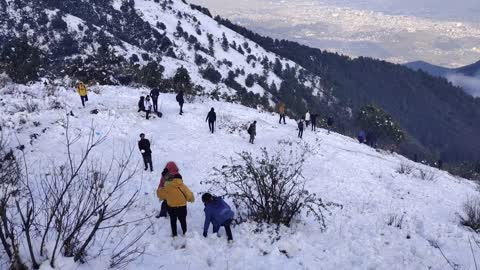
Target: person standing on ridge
x=300 y=128
x=307 y=118
x=314 y=121
x=281 y=112
x=180 y=101
x=148 y=106
x=177 y=194
x=329 y=123
x=211 y=118
x=144 y=146
x=252 y=130
x=83 y=92
x=219 y=213
x=155 y=93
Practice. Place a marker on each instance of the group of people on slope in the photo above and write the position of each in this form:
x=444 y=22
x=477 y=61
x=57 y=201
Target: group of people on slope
x=175 y=195
x=304 y=121
x=149 y=103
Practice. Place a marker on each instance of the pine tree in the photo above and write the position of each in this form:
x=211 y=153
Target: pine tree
x=182 y=80
x=225 y=44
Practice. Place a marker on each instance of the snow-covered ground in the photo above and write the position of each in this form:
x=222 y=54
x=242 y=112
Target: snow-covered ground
x=343 y=171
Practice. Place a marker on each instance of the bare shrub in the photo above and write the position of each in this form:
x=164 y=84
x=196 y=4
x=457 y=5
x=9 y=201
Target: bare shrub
x=269 y=188
x=405 y=168
x=67 y=208
x=471 y=214
x=395 y=220
x=427 y=174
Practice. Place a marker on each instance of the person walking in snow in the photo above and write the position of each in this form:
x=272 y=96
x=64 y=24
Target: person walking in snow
x=148 y=106
x=180 y=101
x=155 y=93
x=144 y=146
x=307 y=118
x=252 y=130
x=211 y=118
x=219 y=213
x=300 y=128
x=83 y=92
x=141 y=104
x=281 y=112
x=329 y=124
x=314 y=121
x=177 y=194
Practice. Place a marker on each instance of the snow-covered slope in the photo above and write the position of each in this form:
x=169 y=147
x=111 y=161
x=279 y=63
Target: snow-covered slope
x=119 y=37
x=343 y=171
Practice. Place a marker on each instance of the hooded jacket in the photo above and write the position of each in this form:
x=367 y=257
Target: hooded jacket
x=212 y=116
x=217 y=211
x=175 y=192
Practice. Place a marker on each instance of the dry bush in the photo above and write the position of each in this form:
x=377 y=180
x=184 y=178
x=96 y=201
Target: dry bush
x=405 y=168
x=270 y=188
x=471 y=214
x=427 y=174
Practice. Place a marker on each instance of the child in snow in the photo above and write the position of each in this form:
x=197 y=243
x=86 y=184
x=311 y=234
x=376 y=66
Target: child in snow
x=82 y=91
x=300 y=128
x=217 y=212
x=148 y=106
x=177 y=195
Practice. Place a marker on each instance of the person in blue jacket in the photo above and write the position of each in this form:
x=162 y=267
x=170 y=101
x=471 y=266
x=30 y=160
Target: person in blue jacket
x=217 y=212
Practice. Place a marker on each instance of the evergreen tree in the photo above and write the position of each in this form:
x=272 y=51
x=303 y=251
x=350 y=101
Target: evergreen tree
x=225 y=44
x=182 y=80
x=375 y=120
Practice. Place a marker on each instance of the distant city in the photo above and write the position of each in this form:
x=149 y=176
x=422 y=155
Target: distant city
x=445 y=33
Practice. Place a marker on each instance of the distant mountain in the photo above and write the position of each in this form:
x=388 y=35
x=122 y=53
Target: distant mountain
x=428 y=68
x=467 y=77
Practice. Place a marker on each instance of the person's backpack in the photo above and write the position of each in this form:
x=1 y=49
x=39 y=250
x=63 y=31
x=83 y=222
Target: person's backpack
x=159 y=114
x=249 y=130
x=179 y=97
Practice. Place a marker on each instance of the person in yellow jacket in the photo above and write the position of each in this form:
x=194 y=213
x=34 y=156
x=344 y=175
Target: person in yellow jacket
x=177 y=194
x=281 y=112
x=82 y=91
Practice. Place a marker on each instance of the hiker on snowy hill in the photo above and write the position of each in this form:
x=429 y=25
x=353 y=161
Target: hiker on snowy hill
x=307 y=118
x=177 y=195
x=148 y=106
x=329 y=123
x=144 y=146
x=252 y=130
x=361 y=136
x=180 y=101
x=281 y=112
x=211 y=118
x=314 y=121
x=300 y=128
x=155 y=93
x=141 y=104
x=82 y=91
x=219 y=213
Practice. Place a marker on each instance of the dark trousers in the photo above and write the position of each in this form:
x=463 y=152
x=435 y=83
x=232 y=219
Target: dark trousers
x=314 y=126
x=307 y=122
x=252 y=138
x=84 y=98
x=300 y=133
x=211 y=126
x=155 y=103
x=282 y=116
x=147 y=114
x=147 y=160
x=181 y=107
x=228 y=230
x=179 y=213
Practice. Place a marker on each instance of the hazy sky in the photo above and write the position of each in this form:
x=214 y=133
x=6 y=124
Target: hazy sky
x=443 y=32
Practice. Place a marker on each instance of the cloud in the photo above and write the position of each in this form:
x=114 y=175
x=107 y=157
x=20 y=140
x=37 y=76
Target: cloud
x=471 y=85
